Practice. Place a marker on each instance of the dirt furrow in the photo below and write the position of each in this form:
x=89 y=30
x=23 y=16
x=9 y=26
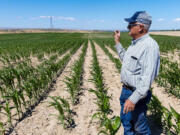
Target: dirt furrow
x=41 y=122
x=115 y=55
x=166 y=99
x=112 y=81
x=86 y=108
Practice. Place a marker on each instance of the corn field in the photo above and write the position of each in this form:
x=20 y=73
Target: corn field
x=69 y=84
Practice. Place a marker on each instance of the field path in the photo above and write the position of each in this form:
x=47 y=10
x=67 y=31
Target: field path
x=40 y=122
x=86 y=108
x=112 y=81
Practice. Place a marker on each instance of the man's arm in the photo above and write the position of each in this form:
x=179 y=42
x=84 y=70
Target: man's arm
x=120 y=50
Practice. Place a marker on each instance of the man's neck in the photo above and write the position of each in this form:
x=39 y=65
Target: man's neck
x=138 y=36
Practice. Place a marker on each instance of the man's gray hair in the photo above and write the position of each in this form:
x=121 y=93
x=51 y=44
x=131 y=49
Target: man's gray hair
x=147 y=26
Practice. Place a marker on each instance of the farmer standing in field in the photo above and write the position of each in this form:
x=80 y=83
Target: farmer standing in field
x=140 y=65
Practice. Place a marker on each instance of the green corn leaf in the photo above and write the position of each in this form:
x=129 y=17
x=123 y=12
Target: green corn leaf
x=103 y=132
x=116 y=123
x=175 y=114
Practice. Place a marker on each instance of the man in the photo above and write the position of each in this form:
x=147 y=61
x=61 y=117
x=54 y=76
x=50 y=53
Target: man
x=140 y=65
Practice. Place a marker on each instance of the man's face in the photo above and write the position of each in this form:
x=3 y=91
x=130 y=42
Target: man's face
x=134 y=29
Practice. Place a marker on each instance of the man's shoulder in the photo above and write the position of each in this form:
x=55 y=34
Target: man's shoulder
x=151 y=43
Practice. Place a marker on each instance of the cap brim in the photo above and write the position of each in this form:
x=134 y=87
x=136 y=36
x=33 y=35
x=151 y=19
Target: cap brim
x=129 y=20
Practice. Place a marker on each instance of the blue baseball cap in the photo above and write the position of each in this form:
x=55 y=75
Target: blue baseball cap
x=141 y=17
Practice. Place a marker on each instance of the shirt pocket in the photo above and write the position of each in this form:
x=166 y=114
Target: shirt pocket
x=133 y=64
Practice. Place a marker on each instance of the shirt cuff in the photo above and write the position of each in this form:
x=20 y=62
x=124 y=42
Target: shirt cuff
x=135 y=97
x=118 y=47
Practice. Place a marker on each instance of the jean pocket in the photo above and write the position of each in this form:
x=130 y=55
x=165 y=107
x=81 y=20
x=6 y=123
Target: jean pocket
x=125 y=94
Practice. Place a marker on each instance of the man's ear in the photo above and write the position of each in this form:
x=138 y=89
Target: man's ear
x=141 y=30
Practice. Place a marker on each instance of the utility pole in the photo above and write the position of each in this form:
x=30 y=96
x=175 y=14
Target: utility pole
x=51 y=22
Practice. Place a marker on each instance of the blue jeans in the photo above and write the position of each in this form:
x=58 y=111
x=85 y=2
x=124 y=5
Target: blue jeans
x=135 y=122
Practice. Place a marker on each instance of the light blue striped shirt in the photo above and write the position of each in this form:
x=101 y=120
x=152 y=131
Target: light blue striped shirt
x=140 y=65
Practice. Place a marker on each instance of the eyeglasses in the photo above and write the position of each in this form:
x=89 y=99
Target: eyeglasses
x=131 y=25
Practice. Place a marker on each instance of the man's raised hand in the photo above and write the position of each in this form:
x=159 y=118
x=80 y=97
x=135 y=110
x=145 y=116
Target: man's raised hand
x=117 y=36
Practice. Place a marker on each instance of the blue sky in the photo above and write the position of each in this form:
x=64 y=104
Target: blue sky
x=86 y=14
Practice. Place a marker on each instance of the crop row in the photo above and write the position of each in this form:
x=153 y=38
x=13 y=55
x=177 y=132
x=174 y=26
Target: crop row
x=31 y=85
x=13 y=59
x=107 y=125
x=73 y=83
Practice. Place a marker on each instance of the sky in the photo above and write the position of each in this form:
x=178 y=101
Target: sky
x=87 y=14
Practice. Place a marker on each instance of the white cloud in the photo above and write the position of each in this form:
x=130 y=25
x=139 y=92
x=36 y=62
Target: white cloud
x=19 y=17
x=176 y=20
x=44 y=17
x=160 y=19
x=65 y=18
x=59 y=18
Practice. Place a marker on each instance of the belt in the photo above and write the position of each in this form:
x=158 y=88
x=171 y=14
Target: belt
x=128 y=87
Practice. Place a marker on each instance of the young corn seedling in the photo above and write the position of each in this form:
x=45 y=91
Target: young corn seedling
x=64 y=112
x=176 y=118
x=7 y=110
x=111 y=125
x=169 y=119
x=73 y=83
x=155 y=107
x=102 y=101
x=2 y=129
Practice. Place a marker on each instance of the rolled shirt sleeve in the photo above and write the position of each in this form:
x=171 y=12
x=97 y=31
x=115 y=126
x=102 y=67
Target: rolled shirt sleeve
x=120 y=50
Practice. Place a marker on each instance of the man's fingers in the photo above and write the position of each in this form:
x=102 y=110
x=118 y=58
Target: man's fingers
x=117 y=32
x=124 y=110
x=127 y=109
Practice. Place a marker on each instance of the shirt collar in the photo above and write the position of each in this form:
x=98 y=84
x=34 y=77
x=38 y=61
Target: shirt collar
x=140 y=38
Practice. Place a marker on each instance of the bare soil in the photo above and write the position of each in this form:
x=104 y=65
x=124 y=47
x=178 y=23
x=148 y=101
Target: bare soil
x=168 y=33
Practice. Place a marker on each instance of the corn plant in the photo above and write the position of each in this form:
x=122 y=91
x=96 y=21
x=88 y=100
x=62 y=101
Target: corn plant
x=2 y=129
x=155 y=107
x=168 y=119
x=18 y=100
x=64 y=113
x=108 y=126
x=171 y=121
x=7 y=110
x=103 y=101
x=74 y=81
